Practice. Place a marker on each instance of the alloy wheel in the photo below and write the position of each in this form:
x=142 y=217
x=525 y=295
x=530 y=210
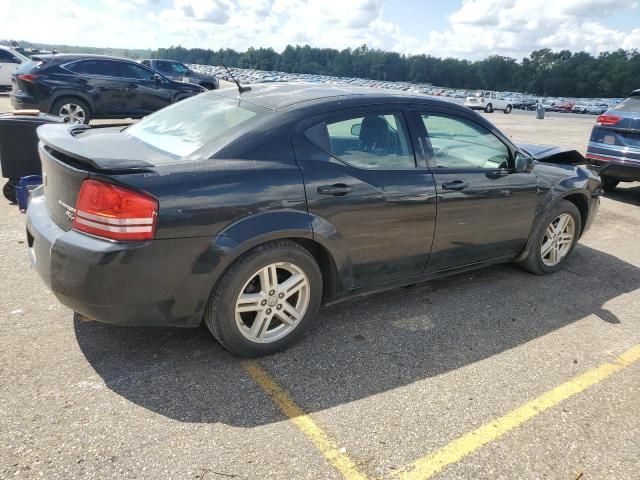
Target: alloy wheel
x=272 y=302
x=557 y=240
x=72 y=113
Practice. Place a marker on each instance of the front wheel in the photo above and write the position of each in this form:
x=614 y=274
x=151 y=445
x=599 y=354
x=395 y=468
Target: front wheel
x=554 y=239
x=265 y=300
x=608 y=183
x=507 y=110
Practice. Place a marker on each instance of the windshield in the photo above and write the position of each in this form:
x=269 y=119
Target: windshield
x=186 y=126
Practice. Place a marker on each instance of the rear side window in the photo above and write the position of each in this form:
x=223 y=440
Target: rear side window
x=186 y=126
x=460 y=143
x=5 y=57
x=631 y=104
x=376 y=141
x=103 y=68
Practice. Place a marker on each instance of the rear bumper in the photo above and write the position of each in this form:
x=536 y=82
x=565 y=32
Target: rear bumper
x=21 y=101
x=615 y=166
x=156 y=283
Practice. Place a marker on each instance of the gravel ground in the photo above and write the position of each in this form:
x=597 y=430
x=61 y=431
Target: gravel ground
x=390 y=377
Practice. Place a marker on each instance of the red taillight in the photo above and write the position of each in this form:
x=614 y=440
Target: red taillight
x=608 y=119
x=114 y=212
x=27 y=77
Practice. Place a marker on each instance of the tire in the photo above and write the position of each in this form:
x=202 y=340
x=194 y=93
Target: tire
x=72 y=109
x=208 y=86
x=488 y=108
x=534 y=262
x=507 y=110
x=9 y=190
x=237 y=331
x=609 y=184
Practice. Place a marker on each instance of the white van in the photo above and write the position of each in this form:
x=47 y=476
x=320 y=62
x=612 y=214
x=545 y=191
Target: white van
x=9 y=61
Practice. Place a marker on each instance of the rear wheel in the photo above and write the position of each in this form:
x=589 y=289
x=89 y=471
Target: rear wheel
x=507 y=110
x=488 y=108
x=554 y=240
x=9 y=190
x=265 y=300
x=608 y=183
x=72 y=110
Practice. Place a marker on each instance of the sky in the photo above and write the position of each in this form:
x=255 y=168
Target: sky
x=470 y=29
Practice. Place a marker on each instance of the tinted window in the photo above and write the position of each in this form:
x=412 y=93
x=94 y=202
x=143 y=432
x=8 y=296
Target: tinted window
x=103 y=68
x=374 y=141
x=460 y=143
x=631 y=104
x=186 y=126
x=164 y=67
x=132 y=70
x=6 y=57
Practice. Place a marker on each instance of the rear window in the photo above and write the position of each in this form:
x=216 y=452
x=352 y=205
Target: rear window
x=631 y=104
x=186 y=126
x=29 y=66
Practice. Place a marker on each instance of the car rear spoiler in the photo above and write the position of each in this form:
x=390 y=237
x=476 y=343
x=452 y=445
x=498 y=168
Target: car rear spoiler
x=551 y=154
x=60 y=140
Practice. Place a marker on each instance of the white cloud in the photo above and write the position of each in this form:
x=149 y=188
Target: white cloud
x=517 y=27
x=477 y=29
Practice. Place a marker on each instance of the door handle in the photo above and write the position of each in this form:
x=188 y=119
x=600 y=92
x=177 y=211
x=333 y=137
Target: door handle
x=337 y=189
x=455 y=185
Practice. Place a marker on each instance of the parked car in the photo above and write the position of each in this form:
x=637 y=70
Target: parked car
x=580 y=108
x=9 y=61
x=81 y=87
x=488 y=101
x=181 y=73
x=247 y=211
x=614 y=145
x=563 y=107
x=597 y=108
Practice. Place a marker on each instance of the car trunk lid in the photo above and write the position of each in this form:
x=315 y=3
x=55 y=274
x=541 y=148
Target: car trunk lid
x=71 y=154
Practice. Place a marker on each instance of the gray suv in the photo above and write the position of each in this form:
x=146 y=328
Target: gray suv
x=181 y=73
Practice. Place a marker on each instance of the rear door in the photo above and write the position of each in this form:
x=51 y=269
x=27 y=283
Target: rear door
x=366 y=192
x=99 y=78
x=485 y=207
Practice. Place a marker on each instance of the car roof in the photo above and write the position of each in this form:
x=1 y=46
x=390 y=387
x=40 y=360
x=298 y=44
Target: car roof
x=68 y=57
x=280 y=95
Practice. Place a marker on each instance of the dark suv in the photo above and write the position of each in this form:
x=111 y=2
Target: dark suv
x=614 y=146
x=181 y=73
x=81 y=87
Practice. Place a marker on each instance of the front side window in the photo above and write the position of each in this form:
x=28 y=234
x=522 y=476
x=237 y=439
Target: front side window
x=377 y=141
x=5 y=57
x=132 y=70
x=178 y=68
x=164 y=67
x=460 y=143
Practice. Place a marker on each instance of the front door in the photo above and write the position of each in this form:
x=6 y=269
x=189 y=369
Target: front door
x=485 y=206
x=365 y=192
x=7 y=67
x=143 y=94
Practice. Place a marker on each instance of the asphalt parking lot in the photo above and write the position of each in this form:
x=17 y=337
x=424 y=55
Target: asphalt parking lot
x=494 y=374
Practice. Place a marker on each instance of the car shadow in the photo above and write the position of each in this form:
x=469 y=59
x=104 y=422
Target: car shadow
x=626 y=193
x=357 y=348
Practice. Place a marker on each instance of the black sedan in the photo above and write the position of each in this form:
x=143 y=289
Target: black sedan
x=81 y=87
x=247 y=211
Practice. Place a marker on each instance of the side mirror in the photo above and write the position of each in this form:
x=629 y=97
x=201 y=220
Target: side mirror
x=157 y=79
x=16 y=60
x=355 y=129
x=523 y=162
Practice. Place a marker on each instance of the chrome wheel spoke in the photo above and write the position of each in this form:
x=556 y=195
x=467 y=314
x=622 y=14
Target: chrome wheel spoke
x=292 y=285
x=260 y=325
x=558 y=239
x=268 y=279
x=546 y=248
x=249 y=302
x=288 y=314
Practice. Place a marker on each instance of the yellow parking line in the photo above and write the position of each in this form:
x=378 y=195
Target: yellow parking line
x=304 y=422
x=468 y=443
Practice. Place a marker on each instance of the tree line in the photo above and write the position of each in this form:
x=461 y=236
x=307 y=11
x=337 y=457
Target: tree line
x=544 y=72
